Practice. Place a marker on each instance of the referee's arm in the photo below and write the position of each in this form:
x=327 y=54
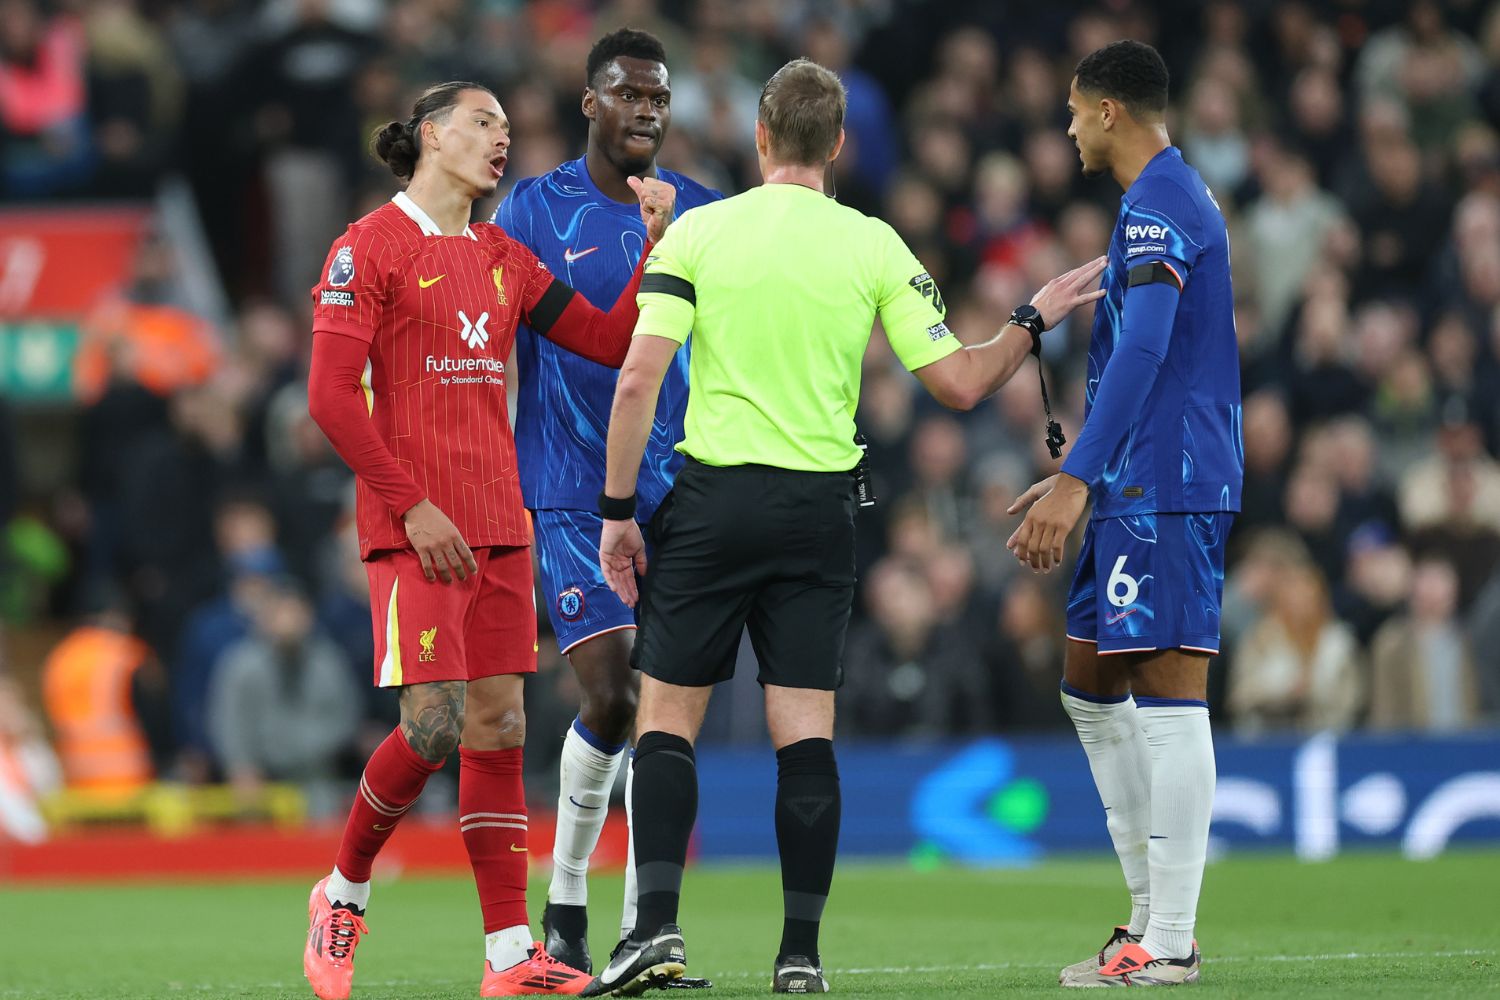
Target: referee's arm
x=634 y=409
x=965 y=378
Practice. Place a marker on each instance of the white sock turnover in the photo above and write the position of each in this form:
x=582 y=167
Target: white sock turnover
x=502 y=949
x=339 y=889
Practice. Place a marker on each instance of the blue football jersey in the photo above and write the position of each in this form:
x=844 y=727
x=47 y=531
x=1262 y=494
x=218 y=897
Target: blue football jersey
x=1183 y=452
x=563 y=401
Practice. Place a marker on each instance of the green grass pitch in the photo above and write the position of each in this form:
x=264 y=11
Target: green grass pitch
x=1268 y=926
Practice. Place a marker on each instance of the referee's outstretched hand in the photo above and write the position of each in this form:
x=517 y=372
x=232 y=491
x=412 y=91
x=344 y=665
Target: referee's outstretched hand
x=1068 y=291
x=443 y=551
x=622 y=556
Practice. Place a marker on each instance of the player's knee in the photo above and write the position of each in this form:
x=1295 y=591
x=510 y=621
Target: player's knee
x=434 y=739
x=495 y=725
x=432 y=718
x=610 y=712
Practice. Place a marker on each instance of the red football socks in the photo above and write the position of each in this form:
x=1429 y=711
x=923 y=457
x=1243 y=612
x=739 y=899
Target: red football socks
x=393 y=778
x=492 y=818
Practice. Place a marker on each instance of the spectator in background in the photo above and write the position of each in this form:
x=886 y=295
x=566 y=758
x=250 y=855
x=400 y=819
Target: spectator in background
x=310 y=487
x=1459 y=484
x=1320 y=380
x=283 y=704
x=909 y=676
x=300 y=79
x=45 y=148
x=1363 y=498
x=1312 y=507
x=1319 y=123
x=344 y=616
x=1268 y=441
x=869 y=124
x=1377 y=580
x=1214 y=142
x=1424 y=677
x=102 y=687
x=1286 y=228
x=939 y=461
x=134 y=98
x=1299 y=667
x=245 y=536
x=1401 y=221
x=1024 y=651
x=1450 y=501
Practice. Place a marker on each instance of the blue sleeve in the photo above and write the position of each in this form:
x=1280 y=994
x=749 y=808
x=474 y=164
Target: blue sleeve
x=1162 y=222
x=1145 y=332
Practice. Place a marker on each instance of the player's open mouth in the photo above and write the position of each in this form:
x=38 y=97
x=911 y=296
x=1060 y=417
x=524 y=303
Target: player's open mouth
x=497 y=165
x=648 y=136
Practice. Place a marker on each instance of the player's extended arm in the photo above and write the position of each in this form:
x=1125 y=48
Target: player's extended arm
x=336 y=401
x=964 y=379
x=1145 y=333
x=622 y=552
x=572 y=321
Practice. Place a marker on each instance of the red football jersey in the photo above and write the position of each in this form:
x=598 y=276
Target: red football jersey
x=439 y=313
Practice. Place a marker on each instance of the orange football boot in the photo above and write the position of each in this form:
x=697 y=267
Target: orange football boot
x=332 y=936
x=540 y=973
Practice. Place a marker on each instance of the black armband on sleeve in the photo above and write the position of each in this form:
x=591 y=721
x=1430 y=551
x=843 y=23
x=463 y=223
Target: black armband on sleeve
x=1154 y=271
x=550 y=306
x=669 y=284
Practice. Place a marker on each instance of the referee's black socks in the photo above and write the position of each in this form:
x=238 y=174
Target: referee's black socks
x=807 y=833
x=664 y=806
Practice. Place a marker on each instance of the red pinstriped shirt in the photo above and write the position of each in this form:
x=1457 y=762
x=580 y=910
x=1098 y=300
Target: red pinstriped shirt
x=437 y=317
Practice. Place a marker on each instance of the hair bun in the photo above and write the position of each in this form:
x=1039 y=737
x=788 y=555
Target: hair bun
x=394 y=145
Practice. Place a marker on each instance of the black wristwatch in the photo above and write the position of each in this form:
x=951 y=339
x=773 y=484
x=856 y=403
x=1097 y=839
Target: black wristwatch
x=1029 y=318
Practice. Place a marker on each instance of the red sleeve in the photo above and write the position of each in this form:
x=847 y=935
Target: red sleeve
x=351 y=295
x=336 y=400
x=569 y=320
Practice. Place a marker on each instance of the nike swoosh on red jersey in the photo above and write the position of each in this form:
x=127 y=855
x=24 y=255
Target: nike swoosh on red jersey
x=570 y=256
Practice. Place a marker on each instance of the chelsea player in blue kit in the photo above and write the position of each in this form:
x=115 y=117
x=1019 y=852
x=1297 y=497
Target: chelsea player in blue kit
x=583 y=221
x=1161 y=455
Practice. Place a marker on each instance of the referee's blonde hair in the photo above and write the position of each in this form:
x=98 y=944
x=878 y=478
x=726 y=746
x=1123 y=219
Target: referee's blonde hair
x=802 y=106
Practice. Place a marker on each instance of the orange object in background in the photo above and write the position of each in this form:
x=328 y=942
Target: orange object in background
x=162 y=348
x=86 y=691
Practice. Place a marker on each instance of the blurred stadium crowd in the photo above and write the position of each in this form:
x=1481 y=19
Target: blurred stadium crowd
x=1353 y=147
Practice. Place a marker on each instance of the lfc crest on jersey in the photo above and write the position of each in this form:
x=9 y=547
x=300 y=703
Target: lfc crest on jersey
x=499 y=276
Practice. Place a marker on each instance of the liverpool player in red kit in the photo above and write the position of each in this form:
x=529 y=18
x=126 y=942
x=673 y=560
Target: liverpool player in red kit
x=413 y=321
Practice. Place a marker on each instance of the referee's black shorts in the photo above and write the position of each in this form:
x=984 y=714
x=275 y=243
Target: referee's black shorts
x=749 y=545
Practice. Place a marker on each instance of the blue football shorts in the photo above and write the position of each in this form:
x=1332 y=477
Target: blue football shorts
x=1150 y=581
x=579 y=602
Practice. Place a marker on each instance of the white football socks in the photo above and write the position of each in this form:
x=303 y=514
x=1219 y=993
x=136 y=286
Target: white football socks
x=512 y=946
x=1182 y=801
x=338 y=890
x=586 y=776
x=632 y=895
x=1118 y=757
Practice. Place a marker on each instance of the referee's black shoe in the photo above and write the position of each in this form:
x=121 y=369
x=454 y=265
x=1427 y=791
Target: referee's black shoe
x=565 y=935
x=798 y=974
x=637 y=966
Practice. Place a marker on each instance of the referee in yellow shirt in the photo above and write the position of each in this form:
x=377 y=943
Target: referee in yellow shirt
x=779 y=287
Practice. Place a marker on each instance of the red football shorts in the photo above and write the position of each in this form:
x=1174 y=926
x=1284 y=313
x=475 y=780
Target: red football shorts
x=459 y=631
